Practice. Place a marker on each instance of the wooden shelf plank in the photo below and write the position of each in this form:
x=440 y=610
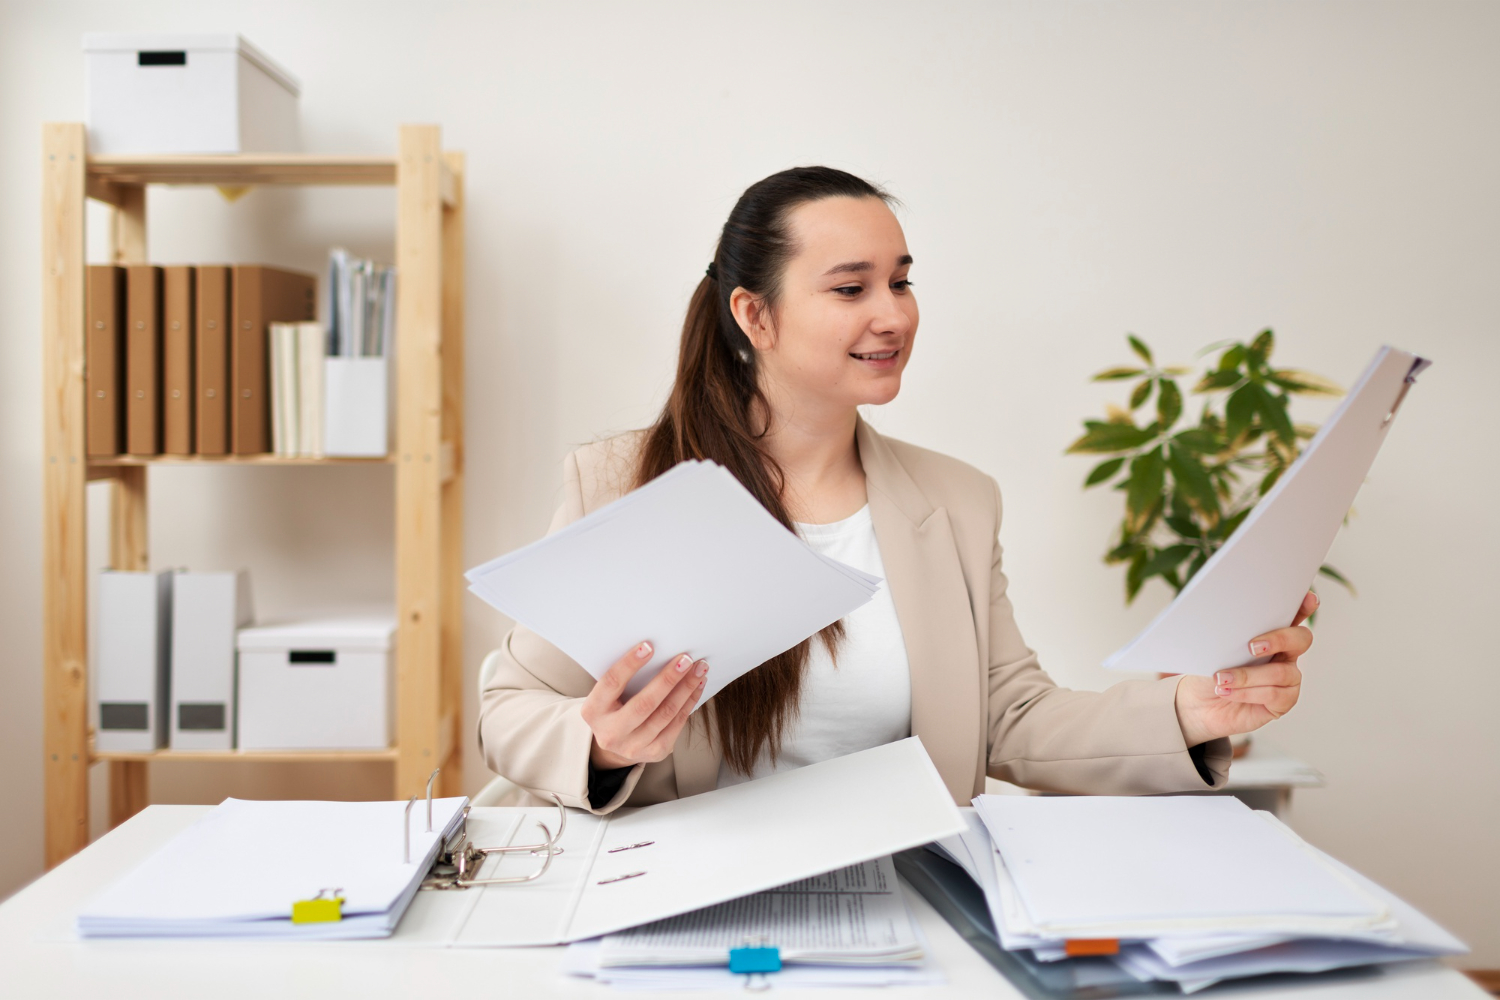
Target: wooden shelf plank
x=244 y=168
x=257 y=756
x=115 y=461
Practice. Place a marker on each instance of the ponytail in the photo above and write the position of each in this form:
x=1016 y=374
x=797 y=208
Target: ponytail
x=717 y=412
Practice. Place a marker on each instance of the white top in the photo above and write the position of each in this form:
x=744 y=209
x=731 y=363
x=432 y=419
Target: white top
x=864 y=700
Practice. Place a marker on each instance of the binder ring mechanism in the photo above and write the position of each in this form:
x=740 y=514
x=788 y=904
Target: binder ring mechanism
x=459 y=859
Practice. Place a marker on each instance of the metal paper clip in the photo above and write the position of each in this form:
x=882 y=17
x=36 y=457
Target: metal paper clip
x=459 y=860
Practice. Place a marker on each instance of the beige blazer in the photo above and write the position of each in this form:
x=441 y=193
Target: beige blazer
x=980 y=702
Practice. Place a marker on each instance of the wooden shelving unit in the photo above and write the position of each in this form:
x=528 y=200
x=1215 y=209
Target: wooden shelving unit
x=428 y=456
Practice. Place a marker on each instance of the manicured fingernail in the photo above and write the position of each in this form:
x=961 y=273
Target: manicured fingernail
x=1222 y=689
x=702 y=667
x=1223 y=680
x=1259 y=648
x=643 y=650
x=683 y=663
x=1315 y=597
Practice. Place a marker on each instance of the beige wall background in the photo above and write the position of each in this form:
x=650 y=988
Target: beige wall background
x=1070 y=171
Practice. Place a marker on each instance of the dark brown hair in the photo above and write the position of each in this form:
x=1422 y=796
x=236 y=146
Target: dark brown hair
x=713 y=412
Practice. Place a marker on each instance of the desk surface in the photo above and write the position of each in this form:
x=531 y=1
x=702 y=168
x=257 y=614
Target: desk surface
x=41 y=959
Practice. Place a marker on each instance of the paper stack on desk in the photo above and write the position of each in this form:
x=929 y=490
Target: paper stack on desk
x=849 y=927
x=691 y=562
x=238 y=871
x=1188 y=889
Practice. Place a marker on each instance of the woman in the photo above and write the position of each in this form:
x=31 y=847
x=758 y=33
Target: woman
x=805 y=313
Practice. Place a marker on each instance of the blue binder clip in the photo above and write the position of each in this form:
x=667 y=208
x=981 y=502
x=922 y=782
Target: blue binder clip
x=754 y=958
x=756 y=962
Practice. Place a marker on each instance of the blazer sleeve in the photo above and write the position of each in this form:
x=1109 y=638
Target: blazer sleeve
x=1125 y=740
x=531 y=727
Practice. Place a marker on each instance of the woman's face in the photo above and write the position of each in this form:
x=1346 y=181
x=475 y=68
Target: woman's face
x=843 y=329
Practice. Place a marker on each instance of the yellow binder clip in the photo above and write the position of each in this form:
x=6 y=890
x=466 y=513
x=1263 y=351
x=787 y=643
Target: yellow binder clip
x=324 y=908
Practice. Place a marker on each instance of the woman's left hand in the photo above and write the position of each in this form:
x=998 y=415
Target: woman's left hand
x=1245 y=698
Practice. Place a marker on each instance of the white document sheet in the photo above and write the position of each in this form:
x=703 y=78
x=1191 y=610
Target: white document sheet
x=1104 y=866
x=691 y=853
x=1256 y=581
x=237 y=871
x=691 y=562
x=852 y=916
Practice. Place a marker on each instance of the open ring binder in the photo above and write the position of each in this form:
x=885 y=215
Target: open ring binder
x=459 y=859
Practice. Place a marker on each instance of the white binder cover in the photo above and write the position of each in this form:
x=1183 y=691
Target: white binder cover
x=691 y=562
x=1256 y=580
x=134 y=615
x=207 y=608
x=693 y=852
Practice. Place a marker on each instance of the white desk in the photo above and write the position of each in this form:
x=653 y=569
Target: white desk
x=38 y=958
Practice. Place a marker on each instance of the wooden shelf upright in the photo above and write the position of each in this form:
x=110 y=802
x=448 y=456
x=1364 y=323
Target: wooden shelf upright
x=428 y=455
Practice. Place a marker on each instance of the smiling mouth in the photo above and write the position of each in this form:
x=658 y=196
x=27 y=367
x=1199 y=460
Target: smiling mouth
x=877 y=356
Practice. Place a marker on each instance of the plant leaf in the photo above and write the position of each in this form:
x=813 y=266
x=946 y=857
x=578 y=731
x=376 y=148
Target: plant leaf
x=1335 y=575
x=1232 y=358
x=1218 y=380
x=1112 y=374
x=1103 y=436
x=1134 y=576
x=1193 y=481
x=1103 y=471
x=1168 y=403
x=1168 y=559
x=1261 y=348
x=1273 y=411
x=1141 y=394
x=1148 y=473
x=1304 y=383
x=1240 y=409
x=1199 y=439
x=1139 y=348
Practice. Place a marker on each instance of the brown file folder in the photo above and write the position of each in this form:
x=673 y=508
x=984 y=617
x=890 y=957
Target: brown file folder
x=143 y=359
x=104 y=361
x=260 y=296
x=211 y=375
x=177 y=360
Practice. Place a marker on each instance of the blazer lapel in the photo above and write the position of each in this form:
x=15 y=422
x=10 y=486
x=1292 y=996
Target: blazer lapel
x=694 y=759
x=933 y=607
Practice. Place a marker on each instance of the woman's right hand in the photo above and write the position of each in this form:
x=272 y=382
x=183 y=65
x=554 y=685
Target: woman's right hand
x=644 y=728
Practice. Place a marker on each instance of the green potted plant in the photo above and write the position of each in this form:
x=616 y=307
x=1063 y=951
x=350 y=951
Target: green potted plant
x=1188 y=484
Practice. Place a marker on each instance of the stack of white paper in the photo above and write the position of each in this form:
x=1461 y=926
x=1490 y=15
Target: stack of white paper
x=848 y=927
x=237 y=871
x=1195 y=889
x=691 y=562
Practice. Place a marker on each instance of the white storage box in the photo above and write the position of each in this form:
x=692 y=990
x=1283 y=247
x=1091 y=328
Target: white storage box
x=161 y=93
x=356 y=414
x=317 y=685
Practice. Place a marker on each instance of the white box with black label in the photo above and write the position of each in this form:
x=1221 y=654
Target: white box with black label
x=317 y=685
x=133 y=659
x=178 y=93
x=208 y=609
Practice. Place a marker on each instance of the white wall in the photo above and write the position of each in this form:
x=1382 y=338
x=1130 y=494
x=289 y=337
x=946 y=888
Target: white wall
x=1187 y=171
